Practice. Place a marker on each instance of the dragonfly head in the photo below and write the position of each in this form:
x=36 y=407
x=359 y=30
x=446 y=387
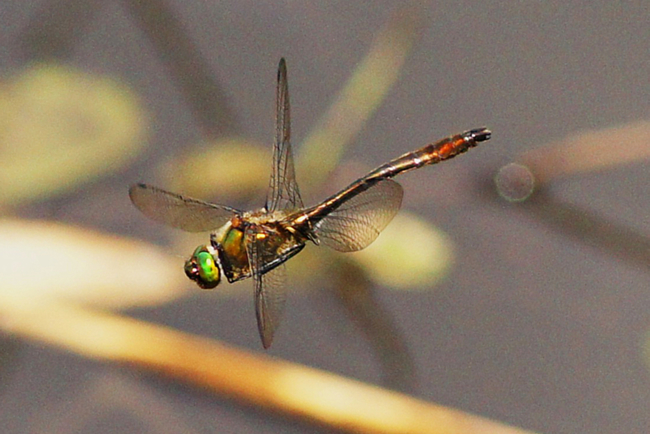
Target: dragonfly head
x=204 y=267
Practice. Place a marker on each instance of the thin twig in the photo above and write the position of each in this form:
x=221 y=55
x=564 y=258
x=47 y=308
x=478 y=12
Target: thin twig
x=264 y=382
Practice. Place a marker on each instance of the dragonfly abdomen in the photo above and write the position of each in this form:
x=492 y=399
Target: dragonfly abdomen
x=433 y=153
x=444 y=149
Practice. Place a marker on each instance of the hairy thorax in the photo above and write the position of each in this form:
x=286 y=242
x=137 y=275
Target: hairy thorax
x=267 y=236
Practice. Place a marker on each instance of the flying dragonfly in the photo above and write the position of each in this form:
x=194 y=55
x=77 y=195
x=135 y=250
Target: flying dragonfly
x=245 y=244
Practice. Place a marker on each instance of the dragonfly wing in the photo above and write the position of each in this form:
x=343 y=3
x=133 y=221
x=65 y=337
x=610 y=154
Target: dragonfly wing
x=358 y=221
x=283 y=191
x=270 y=289
x=186 y=213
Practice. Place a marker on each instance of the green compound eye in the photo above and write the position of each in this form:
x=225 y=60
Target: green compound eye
x=203 y=268
x=208 y=270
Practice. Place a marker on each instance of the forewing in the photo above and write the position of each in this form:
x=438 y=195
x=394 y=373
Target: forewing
x=186 y=213
x=283 y=191
x=270 y=292
x=359 y=220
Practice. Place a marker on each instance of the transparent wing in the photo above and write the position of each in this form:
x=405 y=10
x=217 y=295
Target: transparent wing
x=283 y=191
x=270 y=292
x=191 y=215
x=358 y=221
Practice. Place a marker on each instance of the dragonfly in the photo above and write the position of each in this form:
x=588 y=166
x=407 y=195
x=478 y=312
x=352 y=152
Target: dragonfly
x=256 y=244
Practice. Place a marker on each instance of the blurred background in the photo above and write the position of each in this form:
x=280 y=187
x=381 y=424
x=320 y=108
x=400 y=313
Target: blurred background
x=517 y=292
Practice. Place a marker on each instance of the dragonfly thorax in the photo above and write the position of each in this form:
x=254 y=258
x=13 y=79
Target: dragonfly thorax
x=262 y=216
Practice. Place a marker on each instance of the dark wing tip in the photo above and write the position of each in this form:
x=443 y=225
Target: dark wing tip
x=139 y=185
x=134 y=188
x=266 y=333
x=266 y=341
